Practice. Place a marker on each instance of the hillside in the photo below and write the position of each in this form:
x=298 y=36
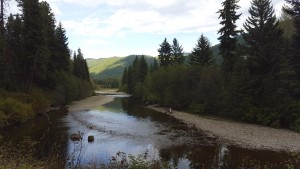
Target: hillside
x=113 y=67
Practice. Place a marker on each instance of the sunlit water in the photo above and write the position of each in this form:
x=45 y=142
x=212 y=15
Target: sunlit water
x=124 y=126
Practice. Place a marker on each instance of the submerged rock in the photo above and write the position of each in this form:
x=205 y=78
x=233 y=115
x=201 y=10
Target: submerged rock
x=91 y=138
x=76 y=136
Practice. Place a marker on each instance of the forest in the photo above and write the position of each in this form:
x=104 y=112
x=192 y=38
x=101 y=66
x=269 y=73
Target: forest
x=36 y=69
x=257 y=82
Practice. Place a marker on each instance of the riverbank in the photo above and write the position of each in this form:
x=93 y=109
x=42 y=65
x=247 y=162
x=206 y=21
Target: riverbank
x=241 y=134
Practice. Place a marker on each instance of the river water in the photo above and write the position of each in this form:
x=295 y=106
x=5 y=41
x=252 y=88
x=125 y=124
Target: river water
x=124 y=126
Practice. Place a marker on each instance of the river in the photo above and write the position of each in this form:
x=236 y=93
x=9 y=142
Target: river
x=124 y=126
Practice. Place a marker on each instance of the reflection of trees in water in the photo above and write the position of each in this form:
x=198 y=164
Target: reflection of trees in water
x=204 y=154
x=198 y=156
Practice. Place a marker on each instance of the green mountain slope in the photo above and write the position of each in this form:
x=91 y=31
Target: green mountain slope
x=113 y=67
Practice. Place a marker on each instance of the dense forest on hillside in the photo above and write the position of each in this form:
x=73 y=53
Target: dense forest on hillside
x=257 y=80
x=107 y=72
x=36 y=69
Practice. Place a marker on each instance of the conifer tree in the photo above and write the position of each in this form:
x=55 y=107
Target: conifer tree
x=154 y=65
x=62 y=52
x=14 y=45
x=124 y=77
x=80 y=68
x=35 y=62
x=130 y=84
x=165 y=53
x=228 y=33
x=294 y=11
x=263 y=51
x=48 y=27
x=143 y=69
x=177 y=52
x=262 y=34
x=202 y=54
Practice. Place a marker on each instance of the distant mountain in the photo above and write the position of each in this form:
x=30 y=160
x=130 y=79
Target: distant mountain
x=113 y=67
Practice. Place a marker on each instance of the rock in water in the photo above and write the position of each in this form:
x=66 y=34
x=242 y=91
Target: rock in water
x=76 y=137
x=91 y=138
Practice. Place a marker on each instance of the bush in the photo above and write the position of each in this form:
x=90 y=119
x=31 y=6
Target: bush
x=16 y=111
x=39 y=101
x=3 y=117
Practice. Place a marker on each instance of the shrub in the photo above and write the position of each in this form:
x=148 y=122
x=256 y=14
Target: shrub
x=3 y=117
x=16 y=111
x=39 y=101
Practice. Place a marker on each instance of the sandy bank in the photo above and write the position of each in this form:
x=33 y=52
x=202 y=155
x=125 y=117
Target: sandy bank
x=241 y=134
x=89 y=103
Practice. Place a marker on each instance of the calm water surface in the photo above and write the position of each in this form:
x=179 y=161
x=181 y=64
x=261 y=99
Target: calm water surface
x=123 y=125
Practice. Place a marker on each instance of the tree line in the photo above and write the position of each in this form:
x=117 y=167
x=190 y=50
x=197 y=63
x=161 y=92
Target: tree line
x=257 y=82
x=35 y=58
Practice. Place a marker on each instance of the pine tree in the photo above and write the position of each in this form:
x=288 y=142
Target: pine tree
x=48 y=27
x=130 y=84
x=294 y=11
x=124 y=78
x=80 y=68
x=62 y=57
x=35 y=58
x=263 y=52
x=228 y=33
x=202 y=54
x=143 y=69
x=177 y=52
x=262 y=34
x=165 y=53
x=154 y=65
x=14 y=46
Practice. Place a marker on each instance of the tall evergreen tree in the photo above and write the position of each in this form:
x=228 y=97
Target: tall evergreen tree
x=80 y=68
x=130 y=80
x=165 y=53
x=228 y=33
x=143 y=69
x=14 y=46
x=294 y=11
x=263 y=39
x=35 y=62
x=62 y=51
x=177 y=52
x=154 y=65
x=124 y=77
x=202 y=54
x=48 y=27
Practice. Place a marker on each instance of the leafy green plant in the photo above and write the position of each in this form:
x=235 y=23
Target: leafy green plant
x=16 y=111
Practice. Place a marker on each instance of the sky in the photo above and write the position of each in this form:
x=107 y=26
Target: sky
x=106 y=28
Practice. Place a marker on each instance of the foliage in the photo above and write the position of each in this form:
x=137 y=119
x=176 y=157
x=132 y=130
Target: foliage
x=134 y=76
x=294 y=11
x=36 y=69
x=165 y=53
x=177 y=52
x=228 y=33
x=202 y=54
x=15 y=111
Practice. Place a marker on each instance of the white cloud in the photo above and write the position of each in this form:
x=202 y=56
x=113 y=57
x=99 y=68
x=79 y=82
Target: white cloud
x=141 y=16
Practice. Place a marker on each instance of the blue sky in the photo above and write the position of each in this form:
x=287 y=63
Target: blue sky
x=106 y=28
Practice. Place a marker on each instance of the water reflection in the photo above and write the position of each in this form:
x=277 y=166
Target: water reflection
x=123 y=125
